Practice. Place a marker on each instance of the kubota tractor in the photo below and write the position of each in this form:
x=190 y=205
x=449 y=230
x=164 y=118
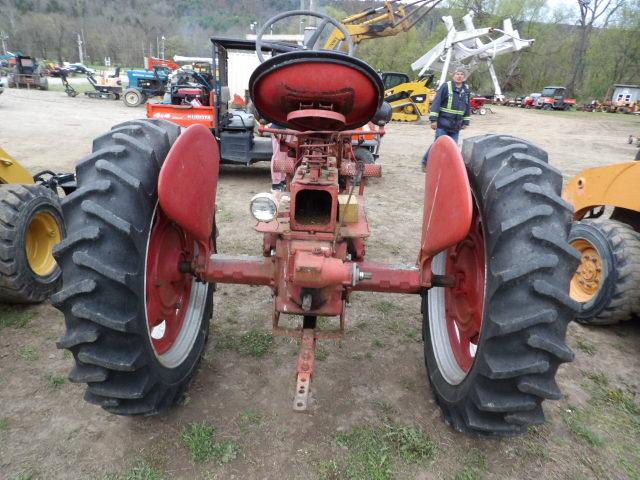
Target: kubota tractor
x=140 y=262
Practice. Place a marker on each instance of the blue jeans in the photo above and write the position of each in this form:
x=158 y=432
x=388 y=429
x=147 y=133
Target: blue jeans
x=440 y=132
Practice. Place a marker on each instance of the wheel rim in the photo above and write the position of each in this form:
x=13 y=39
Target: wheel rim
x=456 y=313
x=43 y=234
x=174 y=301
x=131 y=97
x=587 y=280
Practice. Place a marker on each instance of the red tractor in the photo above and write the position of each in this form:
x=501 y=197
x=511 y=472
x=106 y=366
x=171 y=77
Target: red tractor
x=140 y=261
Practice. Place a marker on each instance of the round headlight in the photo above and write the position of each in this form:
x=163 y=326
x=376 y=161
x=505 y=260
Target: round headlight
x=263 y=207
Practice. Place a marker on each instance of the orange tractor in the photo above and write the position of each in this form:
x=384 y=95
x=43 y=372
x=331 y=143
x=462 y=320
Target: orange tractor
x=140 y=261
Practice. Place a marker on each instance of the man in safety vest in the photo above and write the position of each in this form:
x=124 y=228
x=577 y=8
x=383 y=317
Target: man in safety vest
x=450 y=111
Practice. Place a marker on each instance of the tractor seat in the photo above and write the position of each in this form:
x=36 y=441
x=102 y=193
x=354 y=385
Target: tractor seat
x=316 y=90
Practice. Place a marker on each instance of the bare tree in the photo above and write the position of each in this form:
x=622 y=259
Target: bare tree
x=591 y=11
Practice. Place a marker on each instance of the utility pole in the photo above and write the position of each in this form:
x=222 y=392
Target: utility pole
x=80 y=49
x=162 y=46
x=3 y=37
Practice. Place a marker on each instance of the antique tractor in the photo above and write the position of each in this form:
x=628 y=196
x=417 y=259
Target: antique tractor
x=140 y=261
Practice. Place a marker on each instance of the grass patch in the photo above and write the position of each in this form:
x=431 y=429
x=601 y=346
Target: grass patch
x=248 y=420
x=24 y=476
x=377 y=343
x=576 y=419
x=384 y=307
x=54 y=381
x=142 y=471
x=4 y=424
x=199 y=438
x=587 y=347
x=28 y=353
x=255 y=343
x=475 y=466
x=15 y=316
x=373 y=451
x=321 y=354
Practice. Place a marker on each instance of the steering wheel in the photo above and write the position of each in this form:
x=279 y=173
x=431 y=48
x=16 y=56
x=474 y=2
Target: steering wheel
x=310 y=44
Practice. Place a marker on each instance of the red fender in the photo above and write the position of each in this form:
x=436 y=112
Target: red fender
x=448 y=205
x=188 y=182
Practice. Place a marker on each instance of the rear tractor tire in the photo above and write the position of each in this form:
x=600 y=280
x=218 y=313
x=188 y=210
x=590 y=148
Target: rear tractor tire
x=30 y=225
x=494 y=341
x=607 y=282
x=136 y=325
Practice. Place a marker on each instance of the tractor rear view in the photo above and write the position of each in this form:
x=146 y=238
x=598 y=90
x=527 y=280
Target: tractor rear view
x=141 y=260
x=31 y=223
x=607 y=235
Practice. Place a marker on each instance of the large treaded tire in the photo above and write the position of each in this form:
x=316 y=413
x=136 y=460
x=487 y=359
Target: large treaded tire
x=103 y=261
x=19 y=204
x=527 y=307
x=618 y=246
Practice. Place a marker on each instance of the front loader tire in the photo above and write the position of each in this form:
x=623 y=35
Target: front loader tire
x=30 y=225
x=116 y=235
x=607 y=282
x=493 y=343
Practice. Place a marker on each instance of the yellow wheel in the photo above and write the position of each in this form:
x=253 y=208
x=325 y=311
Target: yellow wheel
x=43 y=234
x=606 y=281
x=588 y=278
x=30 y=226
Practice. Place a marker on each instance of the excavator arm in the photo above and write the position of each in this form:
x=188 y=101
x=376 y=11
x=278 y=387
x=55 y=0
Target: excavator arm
x=384 y=21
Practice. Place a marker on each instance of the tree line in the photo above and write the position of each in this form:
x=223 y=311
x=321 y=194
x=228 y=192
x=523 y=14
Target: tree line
x=587 y=45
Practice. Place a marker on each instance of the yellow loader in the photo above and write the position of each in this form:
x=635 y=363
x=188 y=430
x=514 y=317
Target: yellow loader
x=607 y=235
x=31 y=224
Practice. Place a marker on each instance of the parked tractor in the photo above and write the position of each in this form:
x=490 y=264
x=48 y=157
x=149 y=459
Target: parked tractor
x=31 y=223
x=27 y=74
x=607 y=235
x=147 y=83
x=140 y=262
x=553 y=98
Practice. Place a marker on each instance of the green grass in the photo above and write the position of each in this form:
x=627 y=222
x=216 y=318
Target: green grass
x=143 y=471
x=576 y=420
x=377 y=343
x=4 y=424
x=587 y=347
x=475 y=466
x=321 y=354
x=254 y=343
x=78 y=87
x=199 y=438
x=374 y=451
x=384 y=307
x=55 y=381
x=24 y=476
x=15 y=316
x=28 y=353
x=249 y=419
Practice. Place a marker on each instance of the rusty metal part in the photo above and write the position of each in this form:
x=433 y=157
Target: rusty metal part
x=306 y=365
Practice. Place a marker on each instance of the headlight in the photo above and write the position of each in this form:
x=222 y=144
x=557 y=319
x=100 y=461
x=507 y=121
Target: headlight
x=263 y=207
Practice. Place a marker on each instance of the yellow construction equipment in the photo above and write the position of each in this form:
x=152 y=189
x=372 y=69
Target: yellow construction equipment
x=31 y=225
x=409 y=100
x=607 y=235
x=387 y=20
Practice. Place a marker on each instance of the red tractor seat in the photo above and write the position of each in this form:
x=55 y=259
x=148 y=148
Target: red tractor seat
x=316 y=90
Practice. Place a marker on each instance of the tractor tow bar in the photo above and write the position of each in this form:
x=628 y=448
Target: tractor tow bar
x=306 y=365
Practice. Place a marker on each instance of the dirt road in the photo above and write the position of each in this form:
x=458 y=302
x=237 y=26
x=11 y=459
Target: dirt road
x=371 y=395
